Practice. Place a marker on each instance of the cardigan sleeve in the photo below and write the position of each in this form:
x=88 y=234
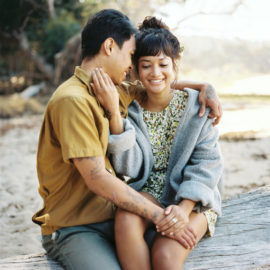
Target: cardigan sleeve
x=125 y=152
x=137 y=161
x=119 y=143
x=203 y=172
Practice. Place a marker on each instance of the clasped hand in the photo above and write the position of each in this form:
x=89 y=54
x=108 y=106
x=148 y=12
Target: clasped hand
x=175 y=225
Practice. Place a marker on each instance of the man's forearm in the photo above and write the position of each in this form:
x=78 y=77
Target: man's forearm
x=113 y=189
x=189 y=84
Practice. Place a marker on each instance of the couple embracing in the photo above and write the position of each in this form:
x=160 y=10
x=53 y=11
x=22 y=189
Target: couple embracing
x=98 y=127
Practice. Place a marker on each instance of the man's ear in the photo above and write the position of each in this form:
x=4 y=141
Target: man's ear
x=108 y=45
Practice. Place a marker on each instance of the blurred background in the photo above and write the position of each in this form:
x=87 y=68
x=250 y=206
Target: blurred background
x=227 y=43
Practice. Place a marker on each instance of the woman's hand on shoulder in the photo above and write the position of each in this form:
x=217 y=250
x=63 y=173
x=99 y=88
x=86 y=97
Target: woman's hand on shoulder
x=105 y=91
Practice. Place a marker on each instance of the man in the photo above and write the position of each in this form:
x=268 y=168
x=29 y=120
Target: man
x=77 y=182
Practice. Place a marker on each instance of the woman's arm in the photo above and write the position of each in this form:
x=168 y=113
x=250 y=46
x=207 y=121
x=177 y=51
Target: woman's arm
x=203 y=172
x=107 y=95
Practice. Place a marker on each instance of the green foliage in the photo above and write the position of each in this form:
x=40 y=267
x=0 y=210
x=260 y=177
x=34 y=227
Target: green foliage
x=52 y=36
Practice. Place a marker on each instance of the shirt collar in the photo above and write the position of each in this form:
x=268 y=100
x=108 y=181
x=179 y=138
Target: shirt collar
x=84 y=78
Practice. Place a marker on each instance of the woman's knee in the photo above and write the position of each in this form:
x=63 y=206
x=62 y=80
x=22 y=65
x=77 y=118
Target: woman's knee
x=125 y=220
x=167 y=256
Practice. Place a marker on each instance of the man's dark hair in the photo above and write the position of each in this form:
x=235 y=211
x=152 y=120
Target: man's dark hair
x=104 y=24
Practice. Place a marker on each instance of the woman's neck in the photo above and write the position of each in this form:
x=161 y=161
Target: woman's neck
x=157 y=102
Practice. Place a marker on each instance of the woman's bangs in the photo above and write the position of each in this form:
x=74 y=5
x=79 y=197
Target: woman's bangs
x=151 y=46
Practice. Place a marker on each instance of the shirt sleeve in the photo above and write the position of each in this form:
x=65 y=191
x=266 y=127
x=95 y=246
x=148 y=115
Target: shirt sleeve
x=128 y=91
x=75 y=128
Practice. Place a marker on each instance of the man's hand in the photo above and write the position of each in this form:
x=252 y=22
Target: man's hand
x=208 y=98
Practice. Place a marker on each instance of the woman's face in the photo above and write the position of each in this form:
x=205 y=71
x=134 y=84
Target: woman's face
x=156 y=72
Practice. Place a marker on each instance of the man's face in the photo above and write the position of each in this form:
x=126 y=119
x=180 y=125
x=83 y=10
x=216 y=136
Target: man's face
x=121 y=61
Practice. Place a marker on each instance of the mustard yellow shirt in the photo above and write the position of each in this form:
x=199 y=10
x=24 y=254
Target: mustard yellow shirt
x=74 y=126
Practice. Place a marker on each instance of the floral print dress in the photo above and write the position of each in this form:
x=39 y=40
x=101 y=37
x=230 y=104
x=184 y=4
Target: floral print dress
x=161 y=129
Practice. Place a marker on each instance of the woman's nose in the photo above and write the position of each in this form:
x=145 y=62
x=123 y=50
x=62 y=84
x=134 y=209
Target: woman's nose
x=156 y=71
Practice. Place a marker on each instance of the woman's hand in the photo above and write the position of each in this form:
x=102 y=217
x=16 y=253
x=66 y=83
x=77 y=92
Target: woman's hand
x=175 y=219
x=186 y=237
x=208 y=98
x=175 y=224
x=105 y=91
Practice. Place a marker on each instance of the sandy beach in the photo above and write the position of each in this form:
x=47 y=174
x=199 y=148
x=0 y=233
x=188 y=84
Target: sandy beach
x=245 y=143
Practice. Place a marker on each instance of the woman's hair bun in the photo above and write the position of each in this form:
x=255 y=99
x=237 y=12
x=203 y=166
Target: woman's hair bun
x=152 y=22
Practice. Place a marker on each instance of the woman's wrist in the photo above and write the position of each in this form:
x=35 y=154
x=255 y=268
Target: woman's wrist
x=116 y=123
x=187 y=205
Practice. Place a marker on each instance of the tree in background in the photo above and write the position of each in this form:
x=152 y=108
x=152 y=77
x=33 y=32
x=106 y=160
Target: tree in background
x=34 y=33
x=31 y=33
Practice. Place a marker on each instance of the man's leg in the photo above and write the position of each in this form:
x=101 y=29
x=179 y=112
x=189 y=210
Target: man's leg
x=84 y=247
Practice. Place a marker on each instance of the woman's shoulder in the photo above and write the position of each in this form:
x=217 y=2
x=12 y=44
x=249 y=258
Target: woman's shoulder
x=189 y=96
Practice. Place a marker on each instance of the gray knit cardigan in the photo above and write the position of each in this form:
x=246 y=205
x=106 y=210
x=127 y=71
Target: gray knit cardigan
x=195 y=169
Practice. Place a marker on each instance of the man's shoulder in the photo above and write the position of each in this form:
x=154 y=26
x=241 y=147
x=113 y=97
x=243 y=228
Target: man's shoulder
x=71 y=89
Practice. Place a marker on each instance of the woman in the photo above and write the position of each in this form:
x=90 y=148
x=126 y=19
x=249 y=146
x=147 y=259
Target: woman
x=176 y=161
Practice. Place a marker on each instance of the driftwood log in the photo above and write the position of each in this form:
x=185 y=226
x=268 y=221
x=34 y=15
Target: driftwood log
x=241 y=241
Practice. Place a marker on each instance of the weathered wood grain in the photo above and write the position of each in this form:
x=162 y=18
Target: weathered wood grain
x=33 y=261
x=242 y=238
x=241 y=241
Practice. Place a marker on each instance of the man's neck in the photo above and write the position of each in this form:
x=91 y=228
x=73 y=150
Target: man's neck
x=89 y=65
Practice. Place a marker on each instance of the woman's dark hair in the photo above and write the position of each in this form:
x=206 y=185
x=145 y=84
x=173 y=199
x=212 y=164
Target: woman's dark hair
x=154 y=37
x=104 y=24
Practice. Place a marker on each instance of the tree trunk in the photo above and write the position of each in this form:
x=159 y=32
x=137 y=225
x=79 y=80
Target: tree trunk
x=38 y=61
x=66 y=60
x=241 y=241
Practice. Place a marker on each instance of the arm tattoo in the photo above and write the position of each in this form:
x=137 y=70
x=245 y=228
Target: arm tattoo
x=96 y=165
x=210 y=92
x=133 y=207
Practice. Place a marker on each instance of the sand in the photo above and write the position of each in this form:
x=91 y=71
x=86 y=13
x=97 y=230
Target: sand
x=246 y=153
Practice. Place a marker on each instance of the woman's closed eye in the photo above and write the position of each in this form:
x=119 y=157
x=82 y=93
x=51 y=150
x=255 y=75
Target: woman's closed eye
x=145 y=66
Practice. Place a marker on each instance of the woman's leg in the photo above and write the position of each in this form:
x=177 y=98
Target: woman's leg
x=168 y=253
x=132 y=250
